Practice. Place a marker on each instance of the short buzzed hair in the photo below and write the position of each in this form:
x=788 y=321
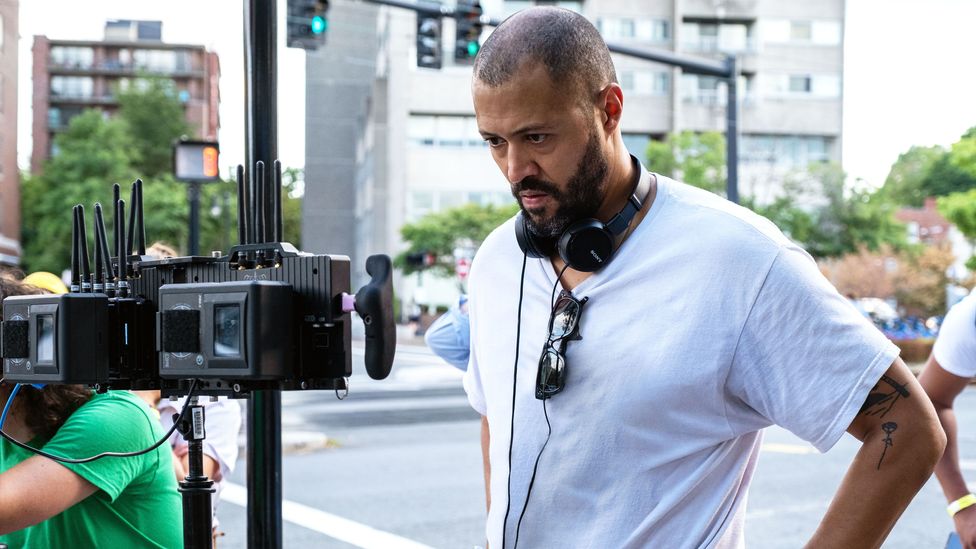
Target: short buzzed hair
x=564 y=42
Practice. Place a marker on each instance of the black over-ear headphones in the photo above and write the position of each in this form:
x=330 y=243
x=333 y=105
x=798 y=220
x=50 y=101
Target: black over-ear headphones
x=587 y=245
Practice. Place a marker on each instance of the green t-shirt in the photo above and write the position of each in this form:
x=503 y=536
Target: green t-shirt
x=137 y=504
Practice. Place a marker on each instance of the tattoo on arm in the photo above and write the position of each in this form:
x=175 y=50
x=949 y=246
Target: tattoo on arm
x=881 y=399
x=888 y=428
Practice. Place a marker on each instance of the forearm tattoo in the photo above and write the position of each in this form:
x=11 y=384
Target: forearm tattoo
x=888 y=427
x=879 y=402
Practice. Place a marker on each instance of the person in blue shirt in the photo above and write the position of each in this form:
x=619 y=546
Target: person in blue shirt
x=449 y=337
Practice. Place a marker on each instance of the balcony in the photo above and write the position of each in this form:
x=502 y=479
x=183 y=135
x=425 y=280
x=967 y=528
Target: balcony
x=111 y=67
x=723 y=9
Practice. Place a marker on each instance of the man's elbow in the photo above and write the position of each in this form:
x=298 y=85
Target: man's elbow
x=927 y=444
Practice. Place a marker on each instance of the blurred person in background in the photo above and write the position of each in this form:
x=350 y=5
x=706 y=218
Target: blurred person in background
x=449 y=337
x=949 y=369
x=110 y=502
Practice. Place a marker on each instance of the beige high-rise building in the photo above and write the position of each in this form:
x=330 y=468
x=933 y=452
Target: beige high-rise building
x=388 y=142
x=9 y=176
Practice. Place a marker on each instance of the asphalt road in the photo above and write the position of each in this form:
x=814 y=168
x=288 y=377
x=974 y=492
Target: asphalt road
x=403 y=469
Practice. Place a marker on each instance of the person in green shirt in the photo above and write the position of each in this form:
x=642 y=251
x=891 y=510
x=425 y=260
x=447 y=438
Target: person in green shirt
x=110 y=502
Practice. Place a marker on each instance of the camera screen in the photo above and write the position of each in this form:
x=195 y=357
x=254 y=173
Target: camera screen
x=227 y=330
x=45 y=339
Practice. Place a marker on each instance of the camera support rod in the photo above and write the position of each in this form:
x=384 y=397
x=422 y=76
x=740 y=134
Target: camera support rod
x=264 y=409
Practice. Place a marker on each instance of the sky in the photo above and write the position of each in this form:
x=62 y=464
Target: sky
x=906 y=80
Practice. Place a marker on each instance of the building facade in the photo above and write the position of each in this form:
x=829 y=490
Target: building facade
x=70 y=76
x=388 y=142
x=9 y=175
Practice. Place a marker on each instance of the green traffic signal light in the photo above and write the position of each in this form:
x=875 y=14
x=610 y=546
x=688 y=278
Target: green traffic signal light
x=319 y=24
x=473 y=48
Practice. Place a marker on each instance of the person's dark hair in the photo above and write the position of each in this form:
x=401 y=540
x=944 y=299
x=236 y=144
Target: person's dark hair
x=564 y=42
x=44 y=410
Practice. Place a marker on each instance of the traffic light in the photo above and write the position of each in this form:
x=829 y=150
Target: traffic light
x=467 y=40
x=428 y=40
x=307 y=23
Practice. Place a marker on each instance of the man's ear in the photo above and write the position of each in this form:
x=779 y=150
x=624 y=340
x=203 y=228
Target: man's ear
x=611 y=104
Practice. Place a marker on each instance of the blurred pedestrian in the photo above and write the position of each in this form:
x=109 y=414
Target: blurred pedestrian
x=949 y=369
x=449 y=336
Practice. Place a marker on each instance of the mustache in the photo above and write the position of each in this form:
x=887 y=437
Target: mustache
x=535 y=184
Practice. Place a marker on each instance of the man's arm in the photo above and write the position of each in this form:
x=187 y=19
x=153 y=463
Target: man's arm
x=485 y=437
x=35 y=490
x=901 y=442
x=943 y=388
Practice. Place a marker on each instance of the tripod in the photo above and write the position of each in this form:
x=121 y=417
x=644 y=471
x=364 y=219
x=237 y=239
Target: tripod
x=196 y=487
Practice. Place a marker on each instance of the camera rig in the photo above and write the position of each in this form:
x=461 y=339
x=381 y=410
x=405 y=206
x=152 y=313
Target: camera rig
x=264 y=316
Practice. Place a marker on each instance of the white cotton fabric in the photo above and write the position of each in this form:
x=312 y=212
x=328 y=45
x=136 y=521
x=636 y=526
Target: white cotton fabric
x=955 y=348
x=707 y=326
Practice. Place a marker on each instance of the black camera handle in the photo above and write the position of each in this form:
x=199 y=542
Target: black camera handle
x=196 y=487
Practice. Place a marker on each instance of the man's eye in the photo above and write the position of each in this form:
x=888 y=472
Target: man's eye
x=536 y=137
x=494 y=141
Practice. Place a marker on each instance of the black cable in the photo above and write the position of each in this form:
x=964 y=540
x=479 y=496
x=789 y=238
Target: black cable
x=159 y=443
x=511 y=433
x=545 y=412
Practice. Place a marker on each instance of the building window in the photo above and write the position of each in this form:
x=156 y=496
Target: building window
x=424 y=202
x=163 y=61
x=785 y=151
x=444 y=131
x=512 y=6
x=644 y=81
x=72 y=57
x=72 y=86
x=800 y=84
x=626 y=28
x=801 y=31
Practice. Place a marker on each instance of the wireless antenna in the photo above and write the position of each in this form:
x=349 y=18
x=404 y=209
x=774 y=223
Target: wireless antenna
x=123 y=284
x=116 y=190
x=101 y=245
x=140 y=221
x=75 y=267
x=98 y=279
x=260 y=195
x=278 y=232
x=86 y=286
x=241 y=206
x=130 y=235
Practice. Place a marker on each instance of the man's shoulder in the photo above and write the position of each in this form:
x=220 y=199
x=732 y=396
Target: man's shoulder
x=711 y=218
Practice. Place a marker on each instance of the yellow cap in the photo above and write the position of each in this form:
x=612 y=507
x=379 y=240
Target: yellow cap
x=46 y=281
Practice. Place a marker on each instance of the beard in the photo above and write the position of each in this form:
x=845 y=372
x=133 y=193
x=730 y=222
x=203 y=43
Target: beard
x=581 y=199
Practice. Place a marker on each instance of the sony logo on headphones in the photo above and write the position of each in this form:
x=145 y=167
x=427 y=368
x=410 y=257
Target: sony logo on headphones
x=596 y=256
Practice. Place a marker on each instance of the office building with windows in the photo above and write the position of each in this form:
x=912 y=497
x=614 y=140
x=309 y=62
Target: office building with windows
x=388 y=142
x=9 y=175
x=73 y=75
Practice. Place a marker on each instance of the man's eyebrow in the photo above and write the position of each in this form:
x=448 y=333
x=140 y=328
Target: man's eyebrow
x=531 y=128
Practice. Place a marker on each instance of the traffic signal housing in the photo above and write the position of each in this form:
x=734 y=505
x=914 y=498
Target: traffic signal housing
x=467 y=39
x=307 y=23
x=429 y=40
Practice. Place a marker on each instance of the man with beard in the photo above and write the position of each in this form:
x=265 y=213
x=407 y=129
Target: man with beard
x=673 y=325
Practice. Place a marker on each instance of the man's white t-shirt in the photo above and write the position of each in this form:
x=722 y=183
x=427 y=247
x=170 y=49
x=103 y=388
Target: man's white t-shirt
x=955 y=348
x=707 y=326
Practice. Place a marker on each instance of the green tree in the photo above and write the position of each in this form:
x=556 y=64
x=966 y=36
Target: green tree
x=155 y=118
x=441 y=232
x=960 y=210
x=907 y=181
x=695 y=158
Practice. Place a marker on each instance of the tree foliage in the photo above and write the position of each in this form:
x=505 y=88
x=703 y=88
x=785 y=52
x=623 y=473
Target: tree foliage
x=921 y=280
x=921 y=172
x=95 y=152
x=440 y=233
x=695 y=158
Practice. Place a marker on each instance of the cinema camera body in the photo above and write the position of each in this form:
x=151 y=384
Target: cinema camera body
x=264 y=316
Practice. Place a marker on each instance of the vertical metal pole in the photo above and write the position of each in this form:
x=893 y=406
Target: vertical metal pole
x=264 y=412
x=732 y=131
x=193 y=195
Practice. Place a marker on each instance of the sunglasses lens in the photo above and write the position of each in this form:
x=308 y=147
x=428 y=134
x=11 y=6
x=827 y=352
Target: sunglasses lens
x=564 y=318
x=551 y=372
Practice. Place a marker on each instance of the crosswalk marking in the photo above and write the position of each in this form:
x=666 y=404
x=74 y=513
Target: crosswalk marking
x=334 y=526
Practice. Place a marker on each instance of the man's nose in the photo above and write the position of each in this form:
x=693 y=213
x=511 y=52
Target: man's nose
x=520 y=165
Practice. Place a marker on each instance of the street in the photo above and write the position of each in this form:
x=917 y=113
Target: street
x=402 y=469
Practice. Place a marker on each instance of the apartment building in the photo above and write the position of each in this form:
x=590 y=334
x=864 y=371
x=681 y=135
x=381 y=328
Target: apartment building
x=70 y=76
x=9 y=175
x=388 y=142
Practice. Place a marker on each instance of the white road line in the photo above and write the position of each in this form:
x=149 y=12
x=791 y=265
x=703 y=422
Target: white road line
x=788 y=448
x=331 y=525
